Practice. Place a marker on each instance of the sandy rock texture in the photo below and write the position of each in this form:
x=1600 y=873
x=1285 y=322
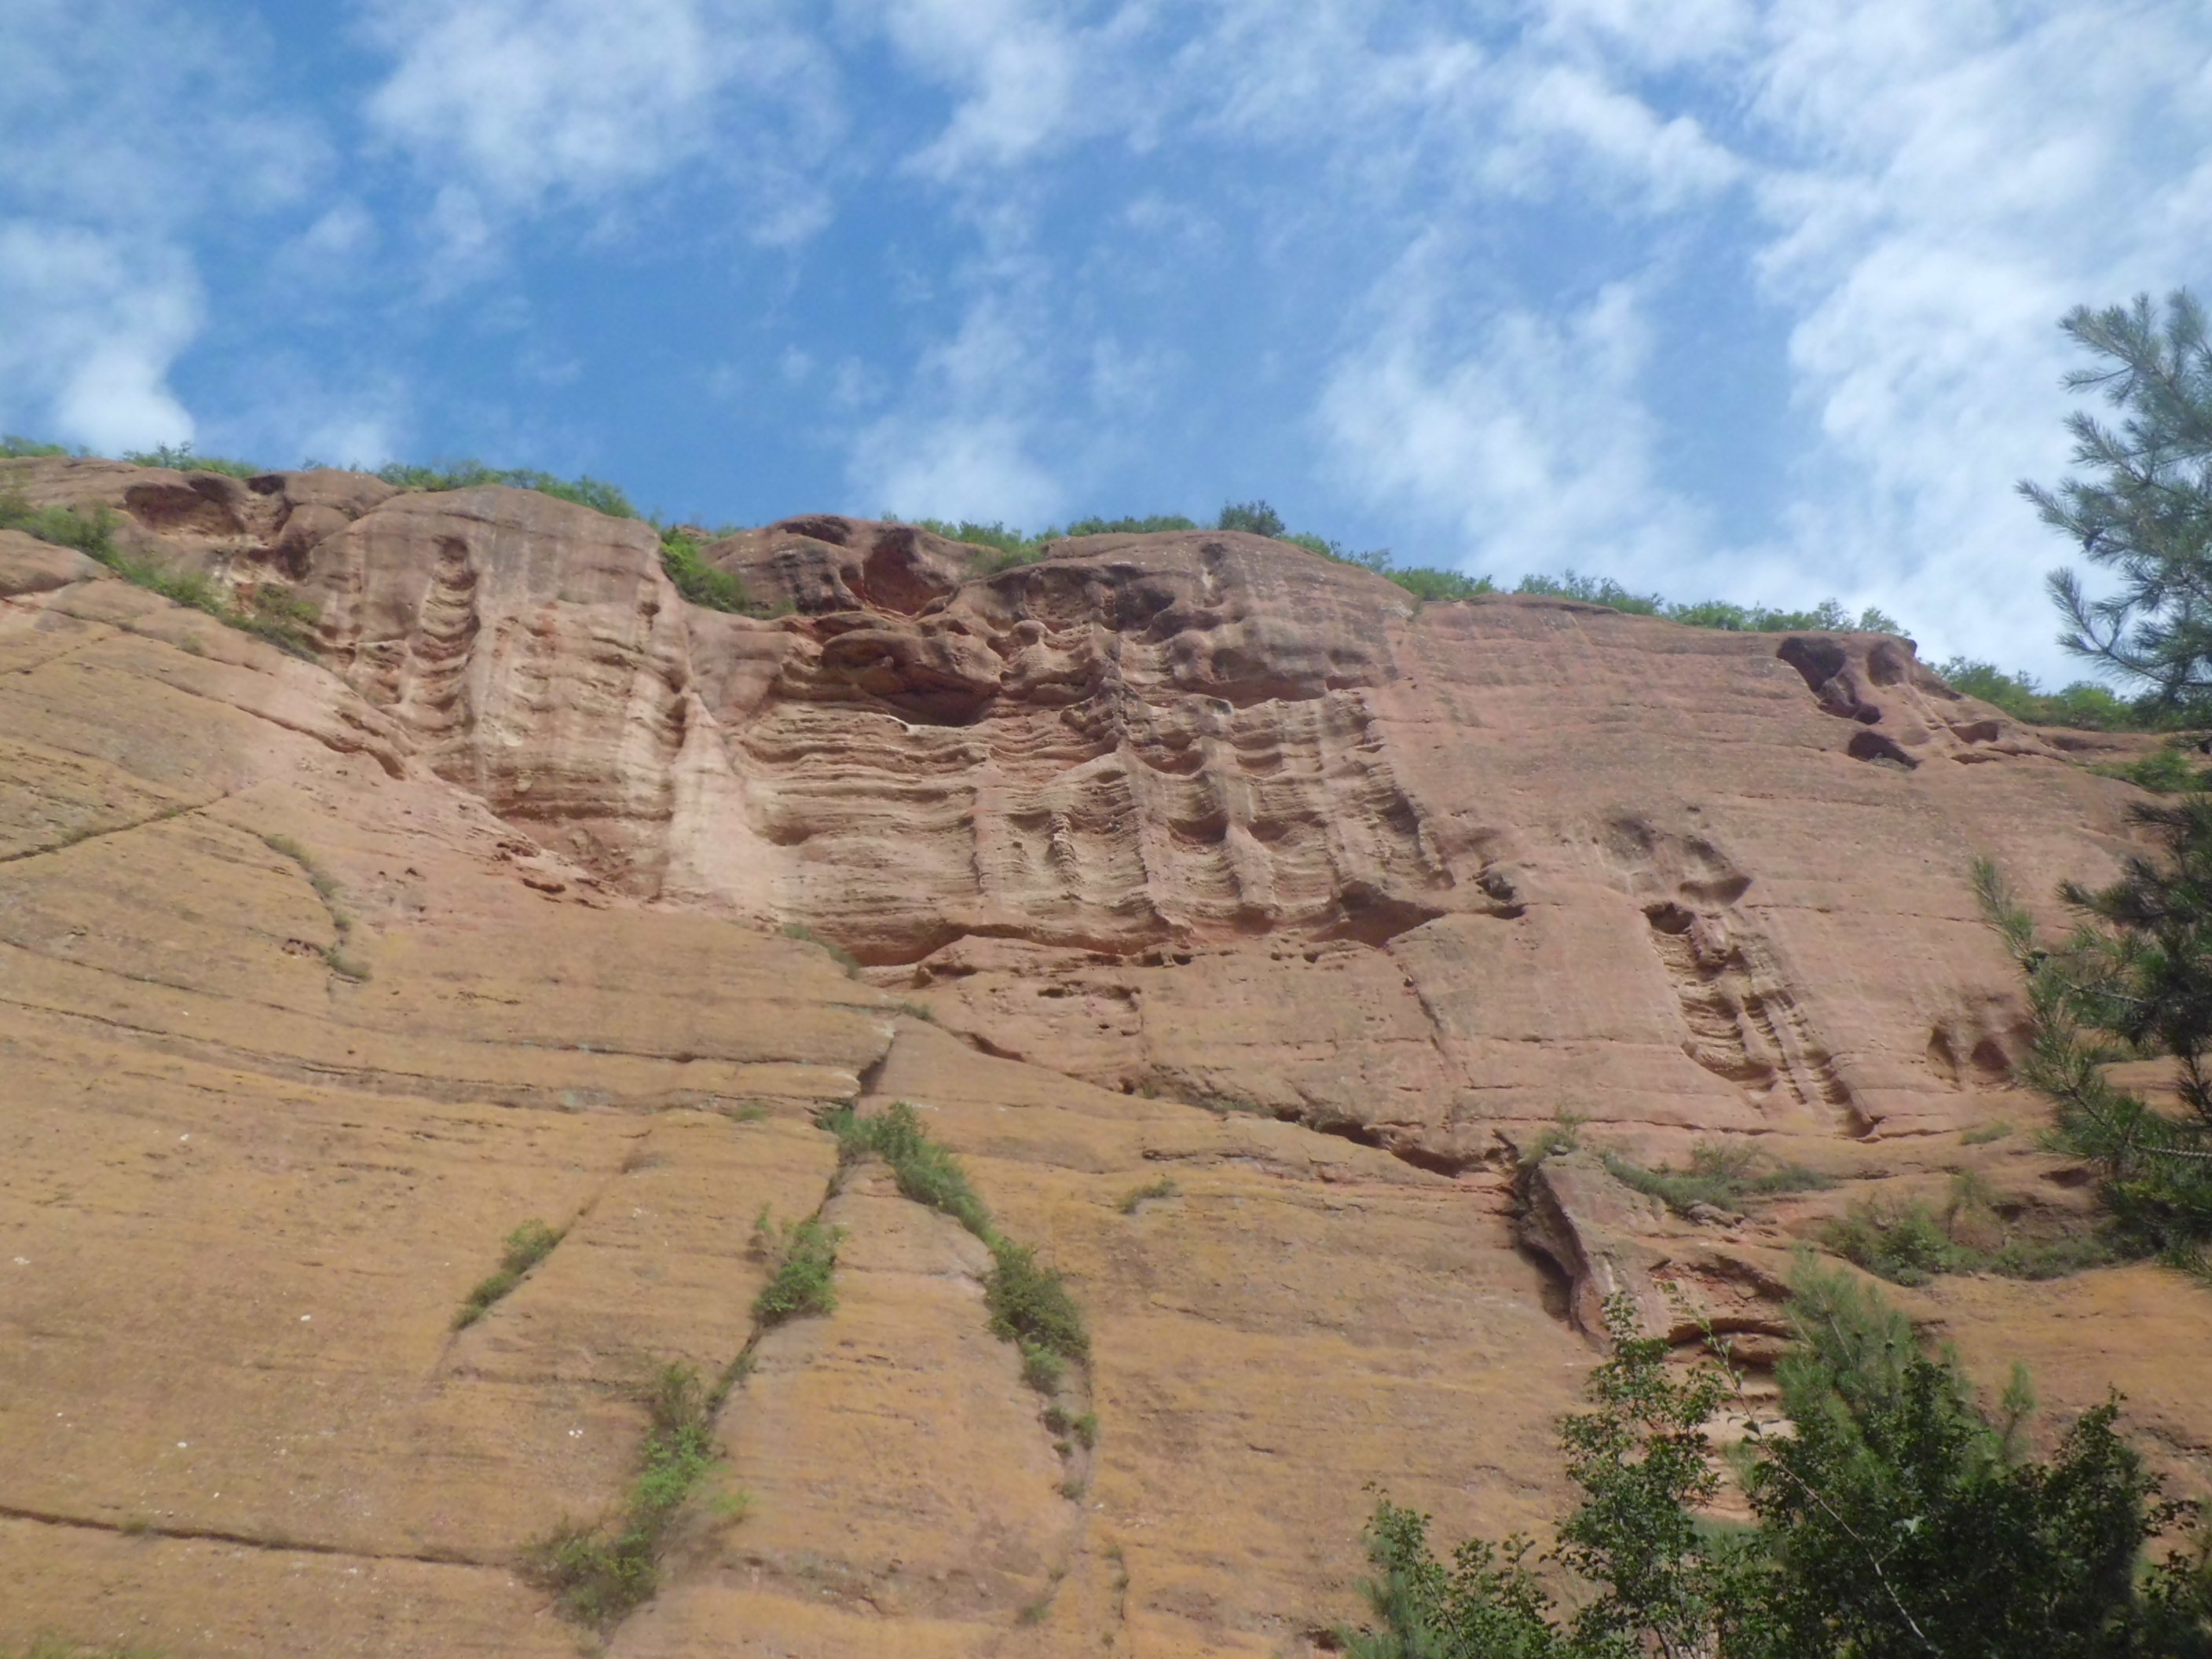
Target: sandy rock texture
x=1240 y=922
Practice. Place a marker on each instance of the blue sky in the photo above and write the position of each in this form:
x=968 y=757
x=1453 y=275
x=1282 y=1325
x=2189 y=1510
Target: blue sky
x=1747 y=298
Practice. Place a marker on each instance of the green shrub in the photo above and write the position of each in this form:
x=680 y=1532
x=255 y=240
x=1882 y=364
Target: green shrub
x=1042 y=1369
x=1827 y=616
x=1910 y=1243
x=698 y=582
x=594 y=493
x=2167 y=771
x=1157 y=524
x=2050 y=1258
x=1903 y=1243
x=88 y=530
x=275 y=614
x=1428 y=584
x=526 y=1246
x=2083 y=704
x=1030 y=1304
x=600 y=1571
x=271 y=613
x=1007 y=547
x=15 y=448
x=1083 y=1429
x=178 y=458
x=1562 y=1135
x=1003 y=548
x=1592 y=590
x=1896 y=1516
x=1254 y=519
x=1986 y=1133
x=805 y=1254
x=1724 y=1176
x=925 y=1171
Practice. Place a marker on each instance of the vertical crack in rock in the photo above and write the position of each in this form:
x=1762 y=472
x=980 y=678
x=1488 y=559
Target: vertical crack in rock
x=1745 y=1022
x=429 y=685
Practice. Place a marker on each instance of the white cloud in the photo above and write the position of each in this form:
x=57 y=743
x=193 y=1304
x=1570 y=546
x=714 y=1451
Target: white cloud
x=1932 y=187
x=126 y=126
x=524 y=95
x=1529 y=442
x=138 y=114
x=1647 y=36
x=95 y=320
x=508 y=105
x=1382 y=88
x=1567 y=116
x=961 y=443
x=1955 y=180
x=1406 y=100
x=961 y=467
x=1013 y=65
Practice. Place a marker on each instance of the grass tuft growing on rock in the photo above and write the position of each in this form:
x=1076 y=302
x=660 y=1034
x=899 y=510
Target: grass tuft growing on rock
x=179 y=458
x=698 y=582
x=268 y=613
x=13 y=447
x=2171 y=770
x=1912 y=1243
x=337 y=956
x=1082 y=1428
x=1029 y=1304
x=1723 y=1177
x=925 y=1171
x=526 y=1246
x=1136 y=1198
x=599 y=1572
x=594 y=493
x=804 y=1277
x=1562 y=1135
x=838 y=953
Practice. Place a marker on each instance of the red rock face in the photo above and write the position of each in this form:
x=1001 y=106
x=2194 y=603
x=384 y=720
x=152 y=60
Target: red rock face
x=1150 y=825
x=1205 y=815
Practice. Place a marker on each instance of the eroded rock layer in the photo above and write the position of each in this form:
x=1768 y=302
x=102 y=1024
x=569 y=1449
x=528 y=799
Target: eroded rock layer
x=1234 y=918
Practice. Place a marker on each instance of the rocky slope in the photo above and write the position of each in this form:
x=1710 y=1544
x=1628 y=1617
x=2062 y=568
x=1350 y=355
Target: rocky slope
x=1192 y=856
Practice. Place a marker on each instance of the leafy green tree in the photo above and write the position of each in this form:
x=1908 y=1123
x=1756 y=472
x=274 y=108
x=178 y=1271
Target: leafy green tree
x=1256 y=518
x=2083 y=704
x=1896 y=1517
x=1901 y=1520
x=2144 y=511
x=2132 y=982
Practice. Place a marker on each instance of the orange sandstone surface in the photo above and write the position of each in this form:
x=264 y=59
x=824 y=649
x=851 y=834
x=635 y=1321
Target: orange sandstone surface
x=1187 y=863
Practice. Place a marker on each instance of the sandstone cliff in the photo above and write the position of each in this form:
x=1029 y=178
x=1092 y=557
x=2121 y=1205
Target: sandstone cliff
x=1191 y=857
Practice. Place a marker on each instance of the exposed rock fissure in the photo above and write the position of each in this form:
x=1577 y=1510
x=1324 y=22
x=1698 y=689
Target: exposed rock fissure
x=245 y=1541
x=86 y=839
x=441 y=1089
